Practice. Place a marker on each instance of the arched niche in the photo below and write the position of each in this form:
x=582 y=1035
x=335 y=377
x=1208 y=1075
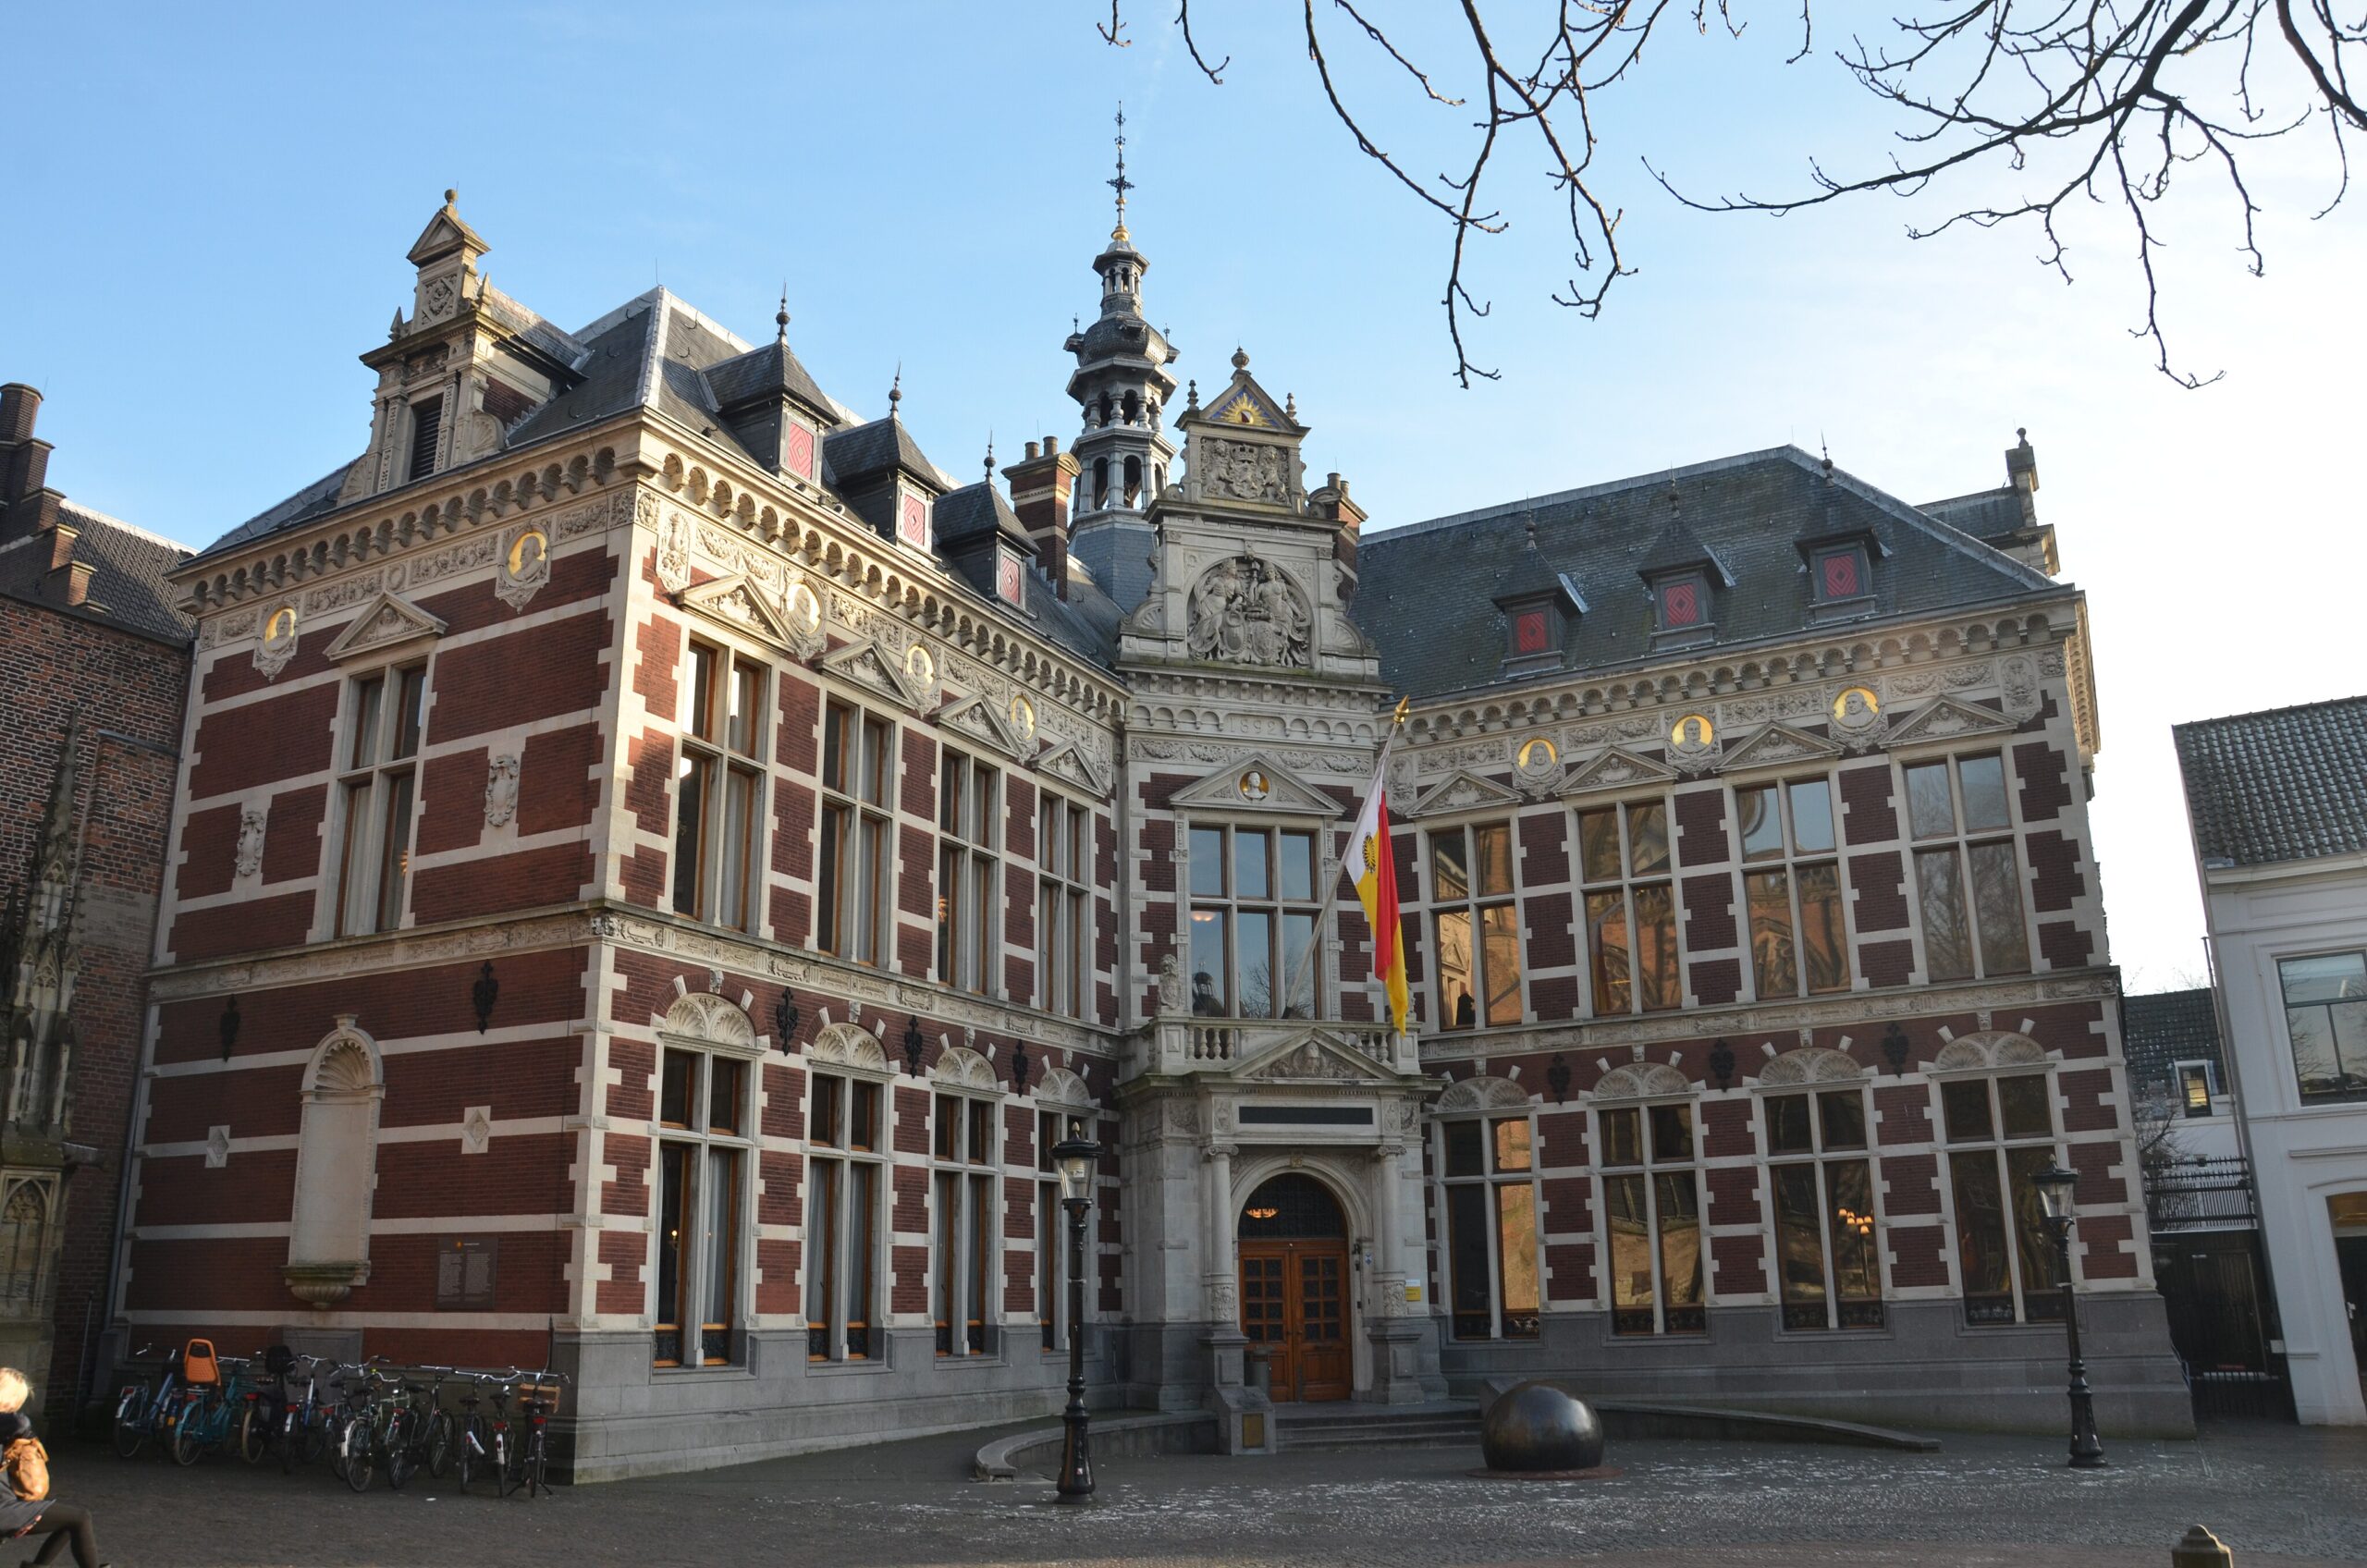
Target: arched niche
x=336 y=1166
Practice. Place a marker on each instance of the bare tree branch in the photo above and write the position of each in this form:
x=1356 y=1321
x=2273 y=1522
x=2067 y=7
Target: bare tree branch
x=2114 y=96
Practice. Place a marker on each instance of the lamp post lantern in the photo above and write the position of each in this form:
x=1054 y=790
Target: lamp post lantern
x=2055 y=1201
x=1076 y=1155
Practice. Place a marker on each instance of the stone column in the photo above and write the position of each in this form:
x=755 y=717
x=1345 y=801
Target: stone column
x=1223 y=1299
x=1244 y=1426
x=1396 y=1338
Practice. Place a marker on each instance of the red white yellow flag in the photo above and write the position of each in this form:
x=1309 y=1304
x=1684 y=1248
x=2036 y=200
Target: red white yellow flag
x=1375 y=870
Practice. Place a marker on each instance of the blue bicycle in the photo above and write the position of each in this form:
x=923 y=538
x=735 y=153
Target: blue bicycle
x=144 y=1410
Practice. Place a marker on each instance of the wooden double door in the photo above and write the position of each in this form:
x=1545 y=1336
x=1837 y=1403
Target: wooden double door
x=1294 y=1264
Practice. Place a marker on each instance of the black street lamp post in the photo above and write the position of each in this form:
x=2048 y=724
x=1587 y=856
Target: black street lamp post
x=2054 y=1185
x=1076 y=1155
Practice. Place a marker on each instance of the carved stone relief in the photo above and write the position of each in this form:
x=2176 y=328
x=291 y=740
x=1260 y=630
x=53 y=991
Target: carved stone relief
x=526 y=565
x=251 y=831
x=674 y=551
x=1245 y=610
x=501 y=791
x=1241 y=470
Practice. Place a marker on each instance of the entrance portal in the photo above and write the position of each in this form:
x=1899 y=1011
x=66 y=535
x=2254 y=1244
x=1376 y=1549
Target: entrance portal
x=1295 y=1286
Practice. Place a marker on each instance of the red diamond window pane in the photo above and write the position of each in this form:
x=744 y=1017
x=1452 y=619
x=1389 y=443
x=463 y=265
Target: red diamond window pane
x=798 y=455
x=1680 y=604
x=1007 y=579
x=1529 y=632
x=915 y=524
x=1841 y=575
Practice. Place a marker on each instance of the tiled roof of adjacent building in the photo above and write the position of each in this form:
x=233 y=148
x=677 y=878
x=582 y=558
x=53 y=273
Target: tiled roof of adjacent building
x=126 y=584
x=1425 y=592
x=2168 y=1028
x=2287 y=784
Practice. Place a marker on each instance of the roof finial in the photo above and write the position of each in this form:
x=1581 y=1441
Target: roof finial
x=990 y=460
x=1191 y=394
x=1121 y=184
x=1240 y=359
x=451 y=195
x=1532 y=529
x=1290 y=404
x=781 y=319
x=1827 y=450
x=896 y=389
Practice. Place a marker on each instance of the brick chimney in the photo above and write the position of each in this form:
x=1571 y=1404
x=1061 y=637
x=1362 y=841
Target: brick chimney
x=28 y=507
x=1040 y=486
x=1332 y=502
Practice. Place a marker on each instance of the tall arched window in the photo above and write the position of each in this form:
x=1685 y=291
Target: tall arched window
x=1101 y=481
x=336 y=1157
x=1133 y=481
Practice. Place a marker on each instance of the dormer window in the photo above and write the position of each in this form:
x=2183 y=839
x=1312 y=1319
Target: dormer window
x=912 y=521
x=1010 y=586
x=1682 y=602
x=1530 y=633
x=1840 y=573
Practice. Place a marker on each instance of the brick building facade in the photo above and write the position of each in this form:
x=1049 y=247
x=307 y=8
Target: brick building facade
x=94 y=658
x=657 y=862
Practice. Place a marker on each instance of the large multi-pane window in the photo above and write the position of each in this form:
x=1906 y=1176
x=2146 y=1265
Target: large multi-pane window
x=2000 y=1134
x=1063 y=904
x=1651 y=1207
x=379 y=784
x=702 y=1154
x=853 y=900
x=1477 y=926
x=1051 y=1249
x=2325 y=1014
x=1792 y=885
x=967 y=1162
x=1828 y=1259
x=719 y=795
x=1967 y=875
x=1490 y=1227
x=969 y=887
x=845 y=1169
x=1631 y=910
x=1253 y=922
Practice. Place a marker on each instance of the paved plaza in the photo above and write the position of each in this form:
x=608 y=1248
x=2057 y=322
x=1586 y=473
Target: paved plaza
x=2271 y=1492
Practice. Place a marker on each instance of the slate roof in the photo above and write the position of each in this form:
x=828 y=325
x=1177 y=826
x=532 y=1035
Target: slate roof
x=973 y=511
x=883 y=444
x=2289 y=784
x=2159 y=1031
x=1425 y=592
x=775 y=368
x=128 y=584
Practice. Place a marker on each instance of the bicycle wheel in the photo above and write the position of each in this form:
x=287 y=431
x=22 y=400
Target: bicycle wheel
x=358 y=1465
x=439 y=1443
x=312 y=1437
x=287 y=1439
x=130 y=1425
x=255 y=1434
x=398 y=1448
x=189 y=1439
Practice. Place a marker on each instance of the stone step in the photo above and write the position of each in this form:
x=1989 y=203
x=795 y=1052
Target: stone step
x=1421 y=1426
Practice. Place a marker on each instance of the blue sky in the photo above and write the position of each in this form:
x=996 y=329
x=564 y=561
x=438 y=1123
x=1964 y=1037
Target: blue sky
x=221 y=197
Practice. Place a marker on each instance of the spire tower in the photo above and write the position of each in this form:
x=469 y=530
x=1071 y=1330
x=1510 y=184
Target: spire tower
x=1121 y=385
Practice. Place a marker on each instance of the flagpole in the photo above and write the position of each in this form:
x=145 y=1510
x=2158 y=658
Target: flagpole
x=1323 y=917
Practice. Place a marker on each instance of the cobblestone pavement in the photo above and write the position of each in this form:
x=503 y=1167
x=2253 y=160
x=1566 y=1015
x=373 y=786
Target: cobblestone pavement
x=2274 y=1493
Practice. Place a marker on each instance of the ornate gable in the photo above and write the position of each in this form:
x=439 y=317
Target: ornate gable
x=1462 y=791
x=1617 y=769
x=975 y=718
x=1247 y=406
x=871 y=665
x=1257 y=783
x=1072 y=764
x=1944 y=719
x=735 y=602
x=1778 y=743
x=387 y=622
x=1316 y=1057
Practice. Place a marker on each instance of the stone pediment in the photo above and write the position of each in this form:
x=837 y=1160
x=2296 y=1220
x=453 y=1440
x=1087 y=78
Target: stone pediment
x=735 y=602
x=1257 y=783
x=1244 y=405
x=975 y=718
x=1072 y=764
x=1462 y=791
x=870 y=664
x=1778 y=743
x=1617 y=769
x=1944 y=719
x=1316 y=1057
x=385 y=622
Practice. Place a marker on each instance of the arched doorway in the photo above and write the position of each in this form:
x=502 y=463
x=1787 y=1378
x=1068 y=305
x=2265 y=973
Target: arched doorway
x=1295 y=1286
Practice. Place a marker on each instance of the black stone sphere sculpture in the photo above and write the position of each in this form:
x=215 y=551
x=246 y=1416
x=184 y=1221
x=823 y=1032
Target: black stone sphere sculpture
x=1541 y=1425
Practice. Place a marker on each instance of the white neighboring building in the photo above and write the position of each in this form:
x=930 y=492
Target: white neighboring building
x=2278 y=802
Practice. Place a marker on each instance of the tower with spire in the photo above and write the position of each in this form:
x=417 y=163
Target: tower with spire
x=1121 y=385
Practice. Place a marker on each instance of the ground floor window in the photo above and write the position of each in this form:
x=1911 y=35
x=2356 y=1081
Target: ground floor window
x=1491 y=1236
x=842 y=1192
x=1651 y=1207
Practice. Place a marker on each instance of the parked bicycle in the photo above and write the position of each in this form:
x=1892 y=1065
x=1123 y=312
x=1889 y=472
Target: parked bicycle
x=539 y=1395
x=141 y=1409
x=482 y=1448
x=213 y=1396
x=305 y=1419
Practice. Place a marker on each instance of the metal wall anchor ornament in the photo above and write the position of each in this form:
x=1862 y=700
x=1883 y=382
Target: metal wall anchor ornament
x=784 y=1020
x=1894 y=1048
x=230 y=1026
x=1721 y=1063
x=1019 y=1067
x=1557 y=1078
x=915 y=1043
x=483 y=995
